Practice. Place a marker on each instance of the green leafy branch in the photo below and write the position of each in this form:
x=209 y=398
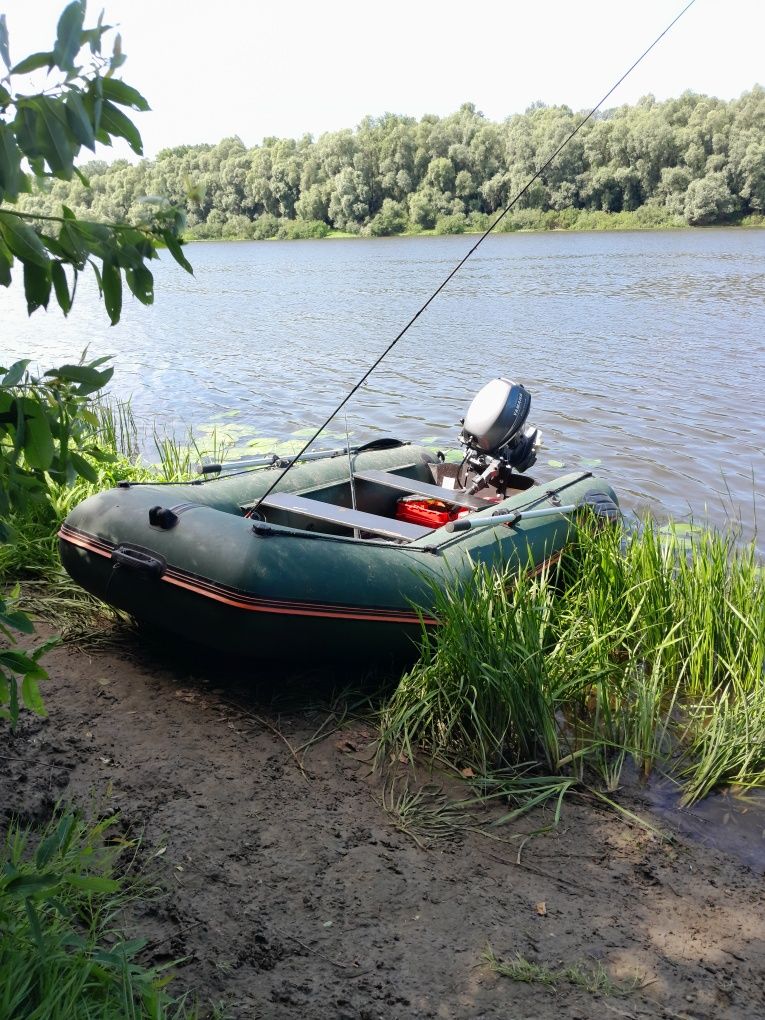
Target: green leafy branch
x=20 y=671
x=46 y=430
x=40 y=137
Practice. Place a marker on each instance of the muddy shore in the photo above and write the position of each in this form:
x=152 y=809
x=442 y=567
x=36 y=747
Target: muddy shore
x=293 y=887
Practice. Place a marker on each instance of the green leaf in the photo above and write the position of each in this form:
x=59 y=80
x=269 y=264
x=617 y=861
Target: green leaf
x=53 y=246
x=38 y=441
x=13 y=700
x=16 y=372
x=93 y=102
x=87 y=376
x=6 y=261
x=25 y=127
x=36 y=286
x=26 y=885
x=115 y=123
x=43 y=649
x=98 y=361
x=17 y=662
x=10 y=163
x=127 y=255
x=71 y=241
x=83 y=467
x=4 y=52
x=33 y=63
x=97 y=274
x=61 y=287
x=30 y=692
x=92 y=883
x=141 y=284
x=18 y=621
x=52 y=137
x=95 y=231
x=79 y=122
x=111 y=279
x=124 y=94
x=118 y=57
x=22 y=240
x=68 y=35
x=52 y=843
x=174 y=247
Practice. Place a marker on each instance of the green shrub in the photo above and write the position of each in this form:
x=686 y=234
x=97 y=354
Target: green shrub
x=454 y=224
x=295 y=230
x=391 y=219
x=239 y=228
x=478 y=221
x=265 y=226
x=63 y=953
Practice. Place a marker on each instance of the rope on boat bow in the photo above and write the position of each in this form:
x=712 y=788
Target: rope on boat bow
x=470 y=252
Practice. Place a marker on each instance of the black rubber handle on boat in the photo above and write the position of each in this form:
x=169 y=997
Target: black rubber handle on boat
x=139 y=559
x=458 y=526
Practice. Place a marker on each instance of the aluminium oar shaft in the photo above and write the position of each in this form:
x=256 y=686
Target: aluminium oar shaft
x=513 y=517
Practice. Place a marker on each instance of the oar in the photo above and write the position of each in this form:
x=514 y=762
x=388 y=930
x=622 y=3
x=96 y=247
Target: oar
x=269 y=460
x=471 y=523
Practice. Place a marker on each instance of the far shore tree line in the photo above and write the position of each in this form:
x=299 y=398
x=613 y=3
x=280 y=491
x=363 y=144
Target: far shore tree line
x=692 y=160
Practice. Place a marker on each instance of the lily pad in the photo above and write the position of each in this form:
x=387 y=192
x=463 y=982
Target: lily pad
x=326 y=434
x=229 y=432
x=264 y=445
x=682 y=529
x=557 y=463
x=454 y=457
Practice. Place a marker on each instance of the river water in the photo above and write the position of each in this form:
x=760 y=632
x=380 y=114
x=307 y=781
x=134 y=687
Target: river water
x=644 y=352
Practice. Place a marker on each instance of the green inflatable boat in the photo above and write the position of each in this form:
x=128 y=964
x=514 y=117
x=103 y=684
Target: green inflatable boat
x=333 y=561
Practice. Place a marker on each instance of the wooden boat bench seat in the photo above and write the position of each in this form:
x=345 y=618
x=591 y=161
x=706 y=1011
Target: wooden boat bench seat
x=414 y=487
x=345 y=516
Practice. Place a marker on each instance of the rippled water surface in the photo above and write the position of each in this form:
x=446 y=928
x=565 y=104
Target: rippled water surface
x=644 y=352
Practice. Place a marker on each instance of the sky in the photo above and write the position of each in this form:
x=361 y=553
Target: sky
x=254 y=69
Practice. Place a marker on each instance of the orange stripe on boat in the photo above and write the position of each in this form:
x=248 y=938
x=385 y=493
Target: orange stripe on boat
x=252 y=603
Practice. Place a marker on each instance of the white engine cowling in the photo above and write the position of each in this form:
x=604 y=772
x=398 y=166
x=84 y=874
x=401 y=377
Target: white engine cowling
x=496 y=415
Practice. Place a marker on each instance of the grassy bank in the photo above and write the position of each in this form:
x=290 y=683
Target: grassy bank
x=521 y=220
x=641 y=652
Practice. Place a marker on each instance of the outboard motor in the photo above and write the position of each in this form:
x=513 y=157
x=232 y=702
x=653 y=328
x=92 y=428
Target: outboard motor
x=495 y=434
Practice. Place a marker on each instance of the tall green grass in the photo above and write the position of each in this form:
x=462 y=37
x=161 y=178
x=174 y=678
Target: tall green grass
x=180 y=460
x=63 y=953
x=641 y=647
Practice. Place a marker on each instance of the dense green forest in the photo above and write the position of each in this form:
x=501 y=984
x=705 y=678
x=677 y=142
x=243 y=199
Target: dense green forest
x=692 y=160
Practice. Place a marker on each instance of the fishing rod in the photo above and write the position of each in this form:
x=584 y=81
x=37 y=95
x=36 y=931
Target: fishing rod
x=471 y=251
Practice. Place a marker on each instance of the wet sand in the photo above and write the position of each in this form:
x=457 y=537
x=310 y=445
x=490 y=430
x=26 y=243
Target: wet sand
x=289 y=891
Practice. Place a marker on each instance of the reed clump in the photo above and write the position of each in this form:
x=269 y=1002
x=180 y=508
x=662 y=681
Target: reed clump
x=642 y=648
